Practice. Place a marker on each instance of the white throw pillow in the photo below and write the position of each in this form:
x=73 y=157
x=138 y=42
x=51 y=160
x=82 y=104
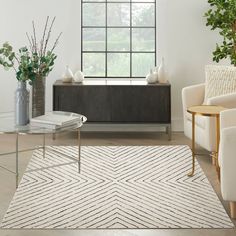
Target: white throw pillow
x=220 y=80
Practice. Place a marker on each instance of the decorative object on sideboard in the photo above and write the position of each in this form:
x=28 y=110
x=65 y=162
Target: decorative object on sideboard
x=44 y=62
x=155 y=72
x=21 y=104
x=68 y=76
x=161 y=72
x=152 y=77
x=32 y=64
x=55 y=120
x=38 y=96
x=221 y=17
x=79 y=77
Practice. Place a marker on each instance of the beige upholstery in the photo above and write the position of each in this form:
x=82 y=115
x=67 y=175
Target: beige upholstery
x=195 y=95
x=227 y=157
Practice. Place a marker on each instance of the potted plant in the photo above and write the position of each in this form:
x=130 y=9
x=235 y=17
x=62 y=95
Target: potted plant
x=222 y=16
x=32 y=64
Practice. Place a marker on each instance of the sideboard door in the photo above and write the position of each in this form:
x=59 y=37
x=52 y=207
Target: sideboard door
x=91 y=101
x=140 y=104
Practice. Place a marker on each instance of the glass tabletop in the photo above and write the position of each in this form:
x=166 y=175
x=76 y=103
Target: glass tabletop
x=7 y=124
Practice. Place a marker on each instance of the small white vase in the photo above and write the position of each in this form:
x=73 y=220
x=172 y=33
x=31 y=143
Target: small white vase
x=67 y=76
x=79 y=77
x=151 y=77
x=161 y=73
x=155 y=72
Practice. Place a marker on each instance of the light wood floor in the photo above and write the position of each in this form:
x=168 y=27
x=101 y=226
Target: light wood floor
x=7 y=180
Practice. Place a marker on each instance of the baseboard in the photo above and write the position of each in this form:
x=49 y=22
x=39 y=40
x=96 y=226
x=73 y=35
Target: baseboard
x=177 y=124
x=122 y=127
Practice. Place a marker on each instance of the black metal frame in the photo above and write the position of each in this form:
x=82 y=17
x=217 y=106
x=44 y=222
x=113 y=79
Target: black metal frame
x=106 y=27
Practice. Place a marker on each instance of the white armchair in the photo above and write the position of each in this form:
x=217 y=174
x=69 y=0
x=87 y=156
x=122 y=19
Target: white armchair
x=227 y=158
x=196 y=95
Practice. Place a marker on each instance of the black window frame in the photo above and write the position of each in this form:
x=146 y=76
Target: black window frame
x=106 y=52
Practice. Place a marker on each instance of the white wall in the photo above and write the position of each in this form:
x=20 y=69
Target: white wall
x=183 y=40
x=187 y=45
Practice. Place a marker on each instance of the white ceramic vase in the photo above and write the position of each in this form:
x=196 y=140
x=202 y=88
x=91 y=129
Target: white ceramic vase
x=155 y=72
x=68 y=75
x=79 y=77
x=151 y=77
x=161 y=72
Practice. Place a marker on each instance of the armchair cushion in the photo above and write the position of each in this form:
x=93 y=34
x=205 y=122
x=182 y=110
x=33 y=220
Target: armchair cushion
x=227 y=101
x=227 y=161
x=228 y=118
x=220 y=80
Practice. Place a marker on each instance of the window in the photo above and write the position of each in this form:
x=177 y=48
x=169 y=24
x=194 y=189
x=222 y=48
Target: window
x=118 y=38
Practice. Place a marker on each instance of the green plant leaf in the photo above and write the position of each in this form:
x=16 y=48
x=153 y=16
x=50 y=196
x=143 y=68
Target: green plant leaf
x=222 y=16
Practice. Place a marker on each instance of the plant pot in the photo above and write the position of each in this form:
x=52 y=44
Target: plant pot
x=21 y=104
x=38 y=96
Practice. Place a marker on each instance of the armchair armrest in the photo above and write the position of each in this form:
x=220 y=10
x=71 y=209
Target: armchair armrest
x=227 y=160
x=227 y=100
x=193 y=95
x=228 y=118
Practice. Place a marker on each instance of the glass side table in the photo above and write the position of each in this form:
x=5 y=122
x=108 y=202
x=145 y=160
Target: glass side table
x=7 y=126
x=210 y=111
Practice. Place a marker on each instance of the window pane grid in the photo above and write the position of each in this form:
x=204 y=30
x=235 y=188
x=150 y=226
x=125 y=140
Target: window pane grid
x=126 y=27
x=106 y=44
x=118 y=51
x=131 y=61
x=116 y=2
x=146 y=46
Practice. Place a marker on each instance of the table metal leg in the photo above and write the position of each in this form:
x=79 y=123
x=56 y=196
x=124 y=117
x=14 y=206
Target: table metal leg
x=17 y=159
x=79 y=150
x=217 y=146
x=44 y=141
x=213 y=158
x=193 y=146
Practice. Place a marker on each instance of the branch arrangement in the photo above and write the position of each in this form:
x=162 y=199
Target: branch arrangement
x=222 y=16
x=33 y=62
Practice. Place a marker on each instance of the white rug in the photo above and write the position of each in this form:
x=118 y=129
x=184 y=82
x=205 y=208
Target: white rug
x=119 y=187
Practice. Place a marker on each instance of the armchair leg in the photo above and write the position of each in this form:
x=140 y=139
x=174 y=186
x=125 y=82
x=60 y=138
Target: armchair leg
x=233 y=209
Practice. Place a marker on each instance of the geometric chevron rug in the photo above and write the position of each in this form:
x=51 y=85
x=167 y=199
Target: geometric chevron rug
x=119 y=187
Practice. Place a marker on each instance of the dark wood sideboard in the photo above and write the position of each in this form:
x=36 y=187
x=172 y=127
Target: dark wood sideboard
x=116 y=103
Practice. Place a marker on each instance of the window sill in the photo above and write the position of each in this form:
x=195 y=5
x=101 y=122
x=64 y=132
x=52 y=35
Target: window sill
x=115 y=81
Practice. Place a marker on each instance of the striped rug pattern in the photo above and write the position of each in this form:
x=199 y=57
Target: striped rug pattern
x=134 y=187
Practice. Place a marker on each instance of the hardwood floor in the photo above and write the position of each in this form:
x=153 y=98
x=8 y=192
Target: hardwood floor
x=7 y=180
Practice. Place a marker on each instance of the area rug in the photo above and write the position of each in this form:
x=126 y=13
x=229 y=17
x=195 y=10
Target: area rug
x=131 y=187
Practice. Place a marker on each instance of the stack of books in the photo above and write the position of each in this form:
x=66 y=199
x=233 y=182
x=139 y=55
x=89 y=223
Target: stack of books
x=54 y=121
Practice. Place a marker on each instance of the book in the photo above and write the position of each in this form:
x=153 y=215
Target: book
x=54 y=120
x=51 y=126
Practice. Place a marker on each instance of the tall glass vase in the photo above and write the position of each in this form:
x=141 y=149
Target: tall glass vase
x=38 y=96
x=21 y=104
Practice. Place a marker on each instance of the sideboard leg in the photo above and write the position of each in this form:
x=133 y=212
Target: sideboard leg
x=168 y=131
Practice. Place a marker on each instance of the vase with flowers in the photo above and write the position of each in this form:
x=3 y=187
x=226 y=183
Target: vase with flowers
x=31 y=64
